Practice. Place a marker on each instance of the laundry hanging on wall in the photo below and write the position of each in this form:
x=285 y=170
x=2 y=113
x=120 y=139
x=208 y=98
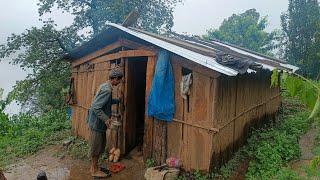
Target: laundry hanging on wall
x=185 y=85
x=161 y=98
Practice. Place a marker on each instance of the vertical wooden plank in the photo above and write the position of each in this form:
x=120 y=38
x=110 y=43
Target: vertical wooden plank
x=224 y=113
x=215 y=151
x=148 y=131
x=80 y=97
x=125 y=103
x=83 y=126
x=133 y=68
x=175 y=136
x=157 y=141
x=121 y=94
x=74 y=107
x=199 y=140
x=88 y=100
x=240 y=123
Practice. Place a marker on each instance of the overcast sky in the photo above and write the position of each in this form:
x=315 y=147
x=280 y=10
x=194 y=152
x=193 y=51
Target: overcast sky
x=192 y=17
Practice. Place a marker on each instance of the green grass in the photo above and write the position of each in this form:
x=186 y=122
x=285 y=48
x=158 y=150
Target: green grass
x=79 y=149
x=272 y=148
x=25 y=134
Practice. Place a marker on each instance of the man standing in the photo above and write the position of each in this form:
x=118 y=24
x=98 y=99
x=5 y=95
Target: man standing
x=99 y=119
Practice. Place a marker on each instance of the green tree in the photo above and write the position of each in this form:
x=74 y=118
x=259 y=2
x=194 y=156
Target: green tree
x=40 y=50
x=2 y=103
x=246 y=30
x=155 y=15
x=301 y=27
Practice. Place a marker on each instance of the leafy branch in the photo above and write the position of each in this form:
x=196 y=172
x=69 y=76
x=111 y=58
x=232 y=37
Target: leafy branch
x=307 y=90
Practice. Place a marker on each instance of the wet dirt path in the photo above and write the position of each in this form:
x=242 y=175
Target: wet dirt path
x=306 y=144
x=62 y=167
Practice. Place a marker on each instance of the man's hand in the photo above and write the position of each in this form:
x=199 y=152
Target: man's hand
x=108 y=123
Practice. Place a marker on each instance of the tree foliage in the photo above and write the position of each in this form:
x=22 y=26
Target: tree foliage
x=301 y=27
x=40 y=50
x=155 y=15
x=298 y=86
x=246 y=30
x=2 y=103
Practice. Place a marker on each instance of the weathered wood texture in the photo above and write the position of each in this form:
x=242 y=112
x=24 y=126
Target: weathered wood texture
x=87 y=82
x=231 y=104
x=243 y=102
x=191 y=144
x=121 y=43
x=148 y=123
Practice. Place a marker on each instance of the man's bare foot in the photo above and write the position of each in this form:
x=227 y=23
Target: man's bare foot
x=99 y=174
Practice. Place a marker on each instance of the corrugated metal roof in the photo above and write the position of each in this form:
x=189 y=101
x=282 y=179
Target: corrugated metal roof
x=206 y=61
x=195 y=49
x=269 y=63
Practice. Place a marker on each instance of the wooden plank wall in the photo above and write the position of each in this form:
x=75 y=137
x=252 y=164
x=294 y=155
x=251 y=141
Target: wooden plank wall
x=192 y=145
x=250 y=100
x=224 y=111
x=216 y=101
x=87 y=82
x=148 y=121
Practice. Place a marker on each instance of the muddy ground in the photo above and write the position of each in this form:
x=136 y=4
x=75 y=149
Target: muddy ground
x=59 y=166
x=306 y=144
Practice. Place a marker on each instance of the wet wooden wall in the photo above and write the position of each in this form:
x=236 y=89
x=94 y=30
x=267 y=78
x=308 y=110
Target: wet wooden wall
x=191 y=144
x=231 y=104
x=242 y=102
x=91 y=71
x=87 y=80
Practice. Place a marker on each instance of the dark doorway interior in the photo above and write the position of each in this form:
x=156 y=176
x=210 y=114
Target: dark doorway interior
x=135 y=110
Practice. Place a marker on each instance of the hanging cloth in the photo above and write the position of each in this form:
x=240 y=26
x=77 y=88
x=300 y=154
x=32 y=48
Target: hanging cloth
x=161 y=97
x=185 y=85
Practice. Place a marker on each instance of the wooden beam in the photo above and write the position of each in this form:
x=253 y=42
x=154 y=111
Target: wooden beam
x=135 y=45
x=195 y=67
x=148 y=121
x=96 y=54
x=119 y=55
x=123 y=54
x=120 y=43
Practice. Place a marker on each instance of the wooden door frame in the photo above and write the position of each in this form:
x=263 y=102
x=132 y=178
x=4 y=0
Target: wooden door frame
x=148 y=121
x=123 y=55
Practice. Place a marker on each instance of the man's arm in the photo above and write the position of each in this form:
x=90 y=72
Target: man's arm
x=100 y=100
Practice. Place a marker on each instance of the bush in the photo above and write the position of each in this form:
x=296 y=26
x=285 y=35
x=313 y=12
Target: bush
x=272 y=149
x=287 y=173
x=25 y=134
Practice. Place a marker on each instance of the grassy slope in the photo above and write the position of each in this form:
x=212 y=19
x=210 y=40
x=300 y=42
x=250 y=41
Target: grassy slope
x=271 y=149
x=23 y=134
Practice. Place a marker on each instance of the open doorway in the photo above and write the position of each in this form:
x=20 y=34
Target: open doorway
x=135 y=106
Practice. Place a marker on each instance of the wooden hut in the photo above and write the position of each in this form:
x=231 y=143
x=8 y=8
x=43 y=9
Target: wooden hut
x=208 y=126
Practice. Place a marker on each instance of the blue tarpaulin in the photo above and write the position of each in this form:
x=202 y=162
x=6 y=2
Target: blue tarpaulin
x=161 y=97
